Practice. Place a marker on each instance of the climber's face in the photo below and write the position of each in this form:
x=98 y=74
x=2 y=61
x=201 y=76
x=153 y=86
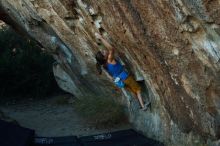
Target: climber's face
x=105 y=53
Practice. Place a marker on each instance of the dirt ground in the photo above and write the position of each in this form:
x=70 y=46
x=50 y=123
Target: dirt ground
x=54 y=116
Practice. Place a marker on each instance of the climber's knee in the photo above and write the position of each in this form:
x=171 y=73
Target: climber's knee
x=138 y=91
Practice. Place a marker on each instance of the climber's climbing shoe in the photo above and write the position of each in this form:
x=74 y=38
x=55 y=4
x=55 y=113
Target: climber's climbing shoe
x=146 y=106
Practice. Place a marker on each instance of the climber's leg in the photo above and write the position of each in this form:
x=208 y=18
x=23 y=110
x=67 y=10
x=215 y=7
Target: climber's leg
x=134 y=87
x=140 y=99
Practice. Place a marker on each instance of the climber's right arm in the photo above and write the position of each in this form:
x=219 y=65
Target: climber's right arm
x=105 y=43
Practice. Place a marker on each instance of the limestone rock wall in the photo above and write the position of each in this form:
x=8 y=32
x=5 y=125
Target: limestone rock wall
x=173 y=45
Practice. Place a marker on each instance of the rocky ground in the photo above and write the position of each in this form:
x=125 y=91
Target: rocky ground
x=54 y=116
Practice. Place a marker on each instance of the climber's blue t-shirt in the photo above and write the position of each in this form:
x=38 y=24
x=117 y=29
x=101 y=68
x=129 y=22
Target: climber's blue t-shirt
x=117 y=70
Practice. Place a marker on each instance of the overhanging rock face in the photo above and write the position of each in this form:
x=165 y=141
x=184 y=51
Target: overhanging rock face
x=173 y=45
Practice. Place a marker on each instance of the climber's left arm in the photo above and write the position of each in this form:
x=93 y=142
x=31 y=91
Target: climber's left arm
x=108 y=46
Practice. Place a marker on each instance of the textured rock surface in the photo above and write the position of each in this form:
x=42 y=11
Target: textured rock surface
x=173 y=45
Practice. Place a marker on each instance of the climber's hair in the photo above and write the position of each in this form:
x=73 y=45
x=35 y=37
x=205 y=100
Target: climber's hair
x=101 y=61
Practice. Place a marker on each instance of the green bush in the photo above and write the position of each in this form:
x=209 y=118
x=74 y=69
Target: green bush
x=101 y=112
x=25 y=70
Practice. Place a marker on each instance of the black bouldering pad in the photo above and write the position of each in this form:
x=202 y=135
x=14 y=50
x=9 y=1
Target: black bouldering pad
x=120 y=138
x=14 y=135
x=56 y=141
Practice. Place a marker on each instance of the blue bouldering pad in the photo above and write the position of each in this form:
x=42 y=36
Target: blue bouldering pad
x=15 y=135
x=120 y=138
x=56 y=141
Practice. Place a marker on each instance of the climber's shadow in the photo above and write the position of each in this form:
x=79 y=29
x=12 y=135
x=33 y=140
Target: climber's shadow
x=144 y=89
x=145 y=92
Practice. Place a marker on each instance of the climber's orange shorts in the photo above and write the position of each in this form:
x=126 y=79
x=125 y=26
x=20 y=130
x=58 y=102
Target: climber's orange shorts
x=132 y=85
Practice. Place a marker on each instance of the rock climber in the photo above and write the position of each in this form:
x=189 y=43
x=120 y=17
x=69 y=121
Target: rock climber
x=121 y=77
